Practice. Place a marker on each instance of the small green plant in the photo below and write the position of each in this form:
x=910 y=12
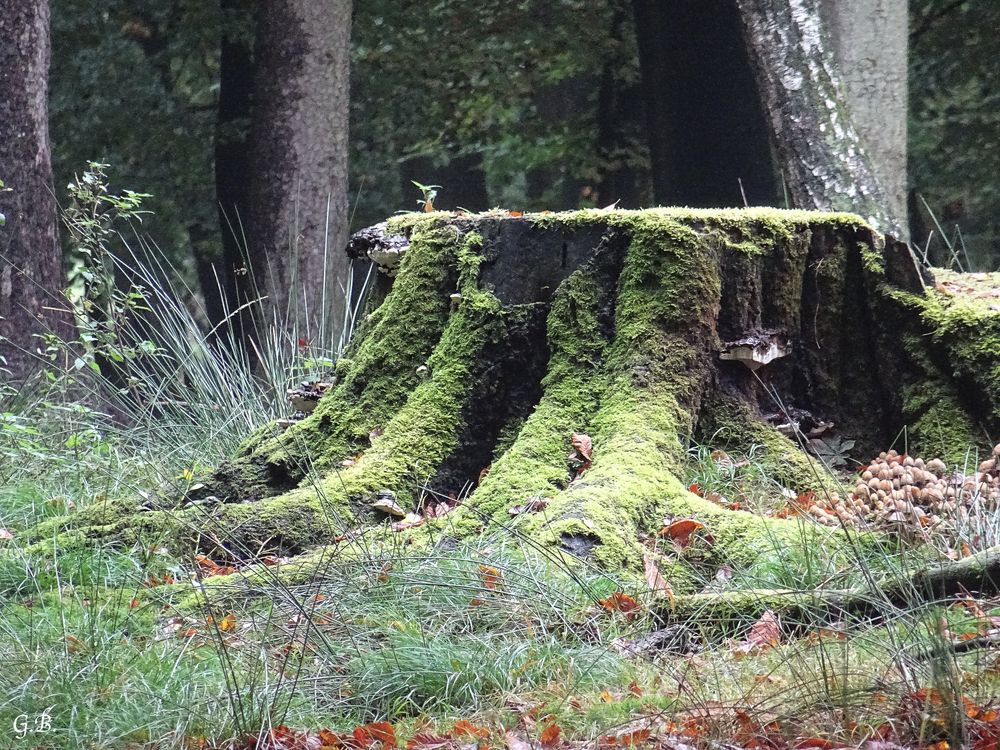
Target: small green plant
x=428 y=195
x=100 y=307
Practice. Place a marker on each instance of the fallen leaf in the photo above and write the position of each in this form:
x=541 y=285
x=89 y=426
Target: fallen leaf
x=681 y=530
x=378 y=732
x=765 y=634
x=657 y=583
x=4 y=534
x=490 y=576
x=73 y=644
x=428 y=741
x=227 y=623
x=465 y=728
x=532 y=505
x=515 y=741
x=619 y=602
x=583 y=445
x=549 y=736
x=410 y=521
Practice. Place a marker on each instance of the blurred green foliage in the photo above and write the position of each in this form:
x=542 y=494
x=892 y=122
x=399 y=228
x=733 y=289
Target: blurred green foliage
x=955 y=119
x=513 y=85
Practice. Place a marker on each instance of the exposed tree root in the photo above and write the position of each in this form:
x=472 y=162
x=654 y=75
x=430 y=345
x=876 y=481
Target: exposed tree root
x=500 y=337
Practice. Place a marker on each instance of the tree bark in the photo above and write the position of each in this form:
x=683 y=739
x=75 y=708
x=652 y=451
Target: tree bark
x=31 y=273
x=823 y=159
x=870 y=40
x=298 y=221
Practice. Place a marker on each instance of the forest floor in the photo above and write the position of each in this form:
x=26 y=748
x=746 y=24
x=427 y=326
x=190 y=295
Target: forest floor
x=497 y=643
x=463 y=642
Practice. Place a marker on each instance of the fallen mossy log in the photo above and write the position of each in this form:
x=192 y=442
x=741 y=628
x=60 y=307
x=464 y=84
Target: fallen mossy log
x=934 y=584
x=498 y=337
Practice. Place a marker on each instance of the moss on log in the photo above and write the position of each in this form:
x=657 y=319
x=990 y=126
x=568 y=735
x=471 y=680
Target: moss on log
x=501 y=336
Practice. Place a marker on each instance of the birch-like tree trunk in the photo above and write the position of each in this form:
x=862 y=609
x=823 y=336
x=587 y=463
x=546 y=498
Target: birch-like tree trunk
x=31 y=274
x=298 y=199
x=870 y=40
x=823 y=157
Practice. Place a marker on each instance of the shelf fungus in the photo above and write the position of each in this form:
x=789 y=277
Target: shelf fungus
x=380 y=246
x=305 y=398
x=756 y=349
x=385 y=502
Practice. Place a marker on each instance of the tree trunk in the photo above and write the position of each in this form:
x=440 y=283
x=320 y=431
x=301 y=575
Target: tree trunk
x=232 y=162
x=870 y=39
x=619 y=124
x=31 y=274
x=299 y=200
x=823 y=159
x=707 y=135
x=613 y=324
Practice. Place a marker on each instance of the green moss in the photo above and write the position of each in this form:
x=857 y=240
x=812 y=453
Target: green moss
x=936 y=426
x=728 y=423
x=535 y=463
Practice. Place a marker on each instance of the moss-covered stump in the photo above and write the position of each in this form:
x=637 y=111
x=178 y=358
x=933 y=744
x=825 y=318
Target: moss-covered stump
x=498 y=337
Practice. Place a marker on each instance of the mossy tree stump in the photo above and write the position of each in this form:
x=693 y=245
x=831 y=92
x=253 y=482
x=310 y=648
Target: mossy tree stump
x=498 y=337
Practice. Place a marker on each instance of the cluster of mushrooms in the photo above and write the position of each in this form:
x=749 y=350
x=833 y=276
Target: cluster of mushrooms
x=908 y=494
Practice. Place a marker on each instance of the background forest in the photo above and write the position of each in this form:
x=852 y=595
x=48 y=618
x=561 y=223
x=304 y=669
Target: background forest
x=505 y=474
x=525 y=105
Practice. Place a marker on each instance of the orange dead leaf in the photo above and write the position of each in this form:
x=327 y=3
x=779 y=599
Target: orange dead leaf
x=550 y=734
x=378 y=732
x=227 y=623
x=73 y=644
x=619 y=602
x=636 y=737
x=490 y=576
x=465 y=728
x=516 y=213
x=764 y=634
x=681 y=530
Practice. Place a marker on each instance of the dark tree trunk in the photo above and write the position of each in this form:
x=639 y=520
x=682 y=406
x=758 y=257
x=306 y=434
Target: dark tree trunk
x=298 y=203
x=31 y=274
x=619 y=116
x=232 y=162
x=706 y=129
x=822 y=156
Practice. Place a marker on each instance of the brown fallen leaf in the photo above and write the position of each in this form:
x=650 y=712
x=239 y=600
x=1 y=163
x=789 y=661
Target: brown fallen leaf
x=583 y=445
x=531 y=505
x=490 y=576
x=619 y=602
x=659 y=585
x=410 y=521
x=765 y=634
x=681 y=530
x=549 y=736
x=515 y=741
